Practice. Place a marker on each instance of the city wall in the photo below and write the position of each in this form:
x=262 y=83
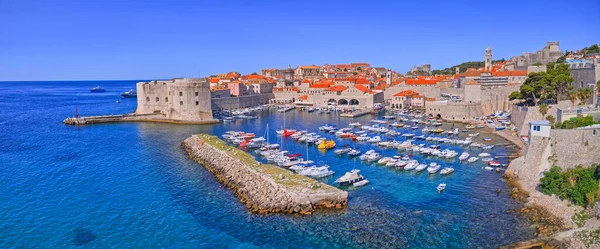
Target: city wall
x=575 y=147
x=230 y=103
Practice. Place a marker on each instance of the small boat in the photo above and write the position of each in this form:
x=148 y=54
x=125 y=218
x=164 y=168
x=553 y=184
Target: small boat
x=464 y=156
x=353 y=153
x=484 y=154
x=421 y=167
x=355 y=124
x=350 y=178
x=473 y=159
x=97 y=89
x=485 y=139
x=375 y=139
x=447 y=171
x=129 y=94
x=412 y=164
x=342 y=151
x=118 y=101
x=494 y=163
x=328 y=144
x=488 y=168
x=384 y=160
x=438 y=130
x=470 y=127
x=433 y=168
x=361 y=183
x=487 y=159
x=441 y=187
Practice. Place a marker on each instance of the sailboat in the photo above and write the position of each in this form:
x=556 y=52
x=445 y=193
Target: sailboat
x=285 y=132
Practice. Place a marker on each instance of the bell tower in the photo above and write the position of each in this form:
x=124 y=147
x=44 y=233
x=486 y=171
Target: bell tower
x=488 y=59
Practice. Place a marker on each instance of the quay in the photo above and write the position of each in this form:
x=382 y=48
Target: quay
x=287 y=109
x=132 y=117
x=356 y=114
x=263 y=188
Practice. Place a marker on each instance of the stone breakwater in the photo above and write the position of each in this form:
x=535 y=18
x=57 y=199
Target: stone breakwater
x=263 y=188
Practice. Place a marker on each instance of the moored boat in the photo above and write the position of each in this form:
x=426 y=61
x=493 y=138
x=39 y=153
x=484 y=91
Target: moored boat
x=350 y=178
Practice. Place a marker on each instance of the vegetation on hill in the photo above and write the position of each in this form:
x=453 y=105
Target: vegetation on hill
x=549 y=86
x=579 y=185
x=463 y=67
x=577 y=122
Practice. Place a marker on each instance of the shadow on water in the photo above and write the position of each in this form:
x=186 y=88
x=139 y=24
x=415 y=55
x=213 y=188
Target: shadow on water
x=83 y=236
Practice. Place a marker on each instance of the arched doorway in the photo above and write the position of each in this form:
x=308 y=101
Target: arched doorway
x=343 y=102
x=331 y=102
x=354 y=102
x=438 y=116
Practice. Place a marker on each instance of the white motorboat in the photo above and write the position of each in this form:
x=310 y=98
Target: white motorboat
x=375 y=139
x=355 y=124
x=361 y=183
x=441 y=187
x=350 y=178
x=412 y=164
x=473 y=159
x=488 y=168
x=374 y=157
x=342 y=151
x=447 y=171
x=317 y=172
x=365 y=156
x=464 y=156
x=433 y=168
x=353 y=153
x=384 y=160
x=487 y=159
x=484 y=154
x=421 y=167
x=363 y=137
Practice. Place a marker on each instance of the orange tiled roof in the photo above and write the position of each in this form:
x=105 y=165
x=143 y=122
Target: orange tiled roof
x=406 y=93
x=310 y=67
x=362 y=88
x=472 y=82
x=214 y=80
x=510 y=73
x=319 y=85
x=421 y=81
x=362 y=81
x=254 y=76
x=336 y=88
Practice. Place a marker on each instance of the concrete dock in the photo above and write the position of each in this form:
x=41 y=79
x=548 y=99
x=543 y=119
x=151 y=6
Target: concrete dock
x=132 y=117
x=287 y=109
x=356 y=114
x=263 y=188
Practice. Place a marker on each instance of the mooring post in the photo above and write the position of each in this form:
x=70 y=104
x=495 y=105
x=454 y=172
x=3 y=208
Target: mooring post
x=76 y=113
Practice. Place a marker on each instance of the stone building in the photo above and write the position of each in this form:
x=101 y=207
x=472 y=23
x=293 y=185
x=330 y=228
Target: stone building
x=308 y=72
x=407 y=99
x=183 y=99
x=488 y=59
x=550 y=53
x=585 y=75
x=421 y=68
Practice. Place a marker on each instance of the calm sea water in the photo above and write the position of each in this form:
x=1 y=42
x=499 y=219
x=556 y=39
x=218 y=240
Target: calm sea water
x=129 y=185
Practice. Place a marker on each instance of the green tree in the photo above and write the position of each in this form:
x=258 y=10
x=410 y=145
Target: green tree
x=572 y=96
x=536 y=86
x=543 y=109
x=554 y=182
x=537 y=64
x=583 y=95
x=551 y=119
x=515 y=95
x=561 y=59
x=254 y=73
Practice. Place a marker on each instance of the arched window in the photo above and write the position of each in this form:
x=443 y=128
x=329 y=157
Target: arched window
x=157 y=99
x=581 y=84
x=147 y=99
x=166 y=99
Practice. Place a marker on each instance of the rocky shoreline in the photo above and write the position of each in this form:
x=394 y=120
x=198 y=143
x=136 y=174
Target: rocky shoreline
x=263 y=188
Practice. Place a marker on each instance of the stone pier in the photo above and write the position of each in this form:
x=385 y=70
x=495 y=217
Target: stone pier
x=263 y=188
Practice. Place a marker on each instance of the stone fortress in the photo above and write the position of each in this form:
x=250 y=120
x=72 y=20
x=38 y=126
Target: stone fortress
x=183 y=99
x=550 y=53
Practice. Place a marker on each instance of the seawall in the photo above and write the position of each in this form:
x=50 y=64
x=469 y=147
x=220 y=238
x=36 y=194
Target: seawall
x=156 y=118
x=263 y=188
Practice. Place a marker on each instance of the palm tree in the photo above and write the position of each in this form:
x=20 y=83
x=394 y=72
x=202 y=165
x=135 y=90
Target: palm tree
x=543 y=109
x=572 y=97
x=584 y=94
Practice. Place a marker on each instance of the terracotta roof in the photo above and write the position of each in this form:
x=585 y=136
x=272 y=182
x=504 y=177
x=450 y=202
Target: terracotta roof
x=254 y=76
x=319 y=85
x=337 y=88
x=510 y=73
x=406 y=93
x=214 y=80
x=362 y=81
x=310 y=67
x=472 y=82
x=362 y=88
x=421 y=81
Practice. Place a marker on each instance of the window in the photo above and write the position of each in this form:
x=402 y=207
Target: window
x=197 y=103
x=196 y=94
x=180 y=94
x=581 y=85
x=536 y=128
x=180 y=102
x=157 y=99
x=594 y=132
x=147 y=99
x=166 y=99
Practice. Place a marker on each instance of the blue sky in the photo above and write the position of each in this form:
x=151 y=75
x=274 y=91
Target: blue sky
x=135 y=39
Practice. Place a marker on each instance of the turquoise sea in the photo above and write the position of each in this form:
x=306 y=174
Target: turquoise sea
x=129 y=185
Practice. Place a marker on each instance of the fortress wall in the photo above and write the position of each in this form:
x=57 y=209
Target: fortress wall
x=575 y=147
x=152 y=97
x=229 y=103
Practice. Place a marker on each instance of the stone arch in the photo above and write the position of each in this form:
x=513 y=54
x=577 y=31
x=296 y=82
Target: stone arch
x=354 y=102
x=438 y=116
x=331 y=101
x=343 y=102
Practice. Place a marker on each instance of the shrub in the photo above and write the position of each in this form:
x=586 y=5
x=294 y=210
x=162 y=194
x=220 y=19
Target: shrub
x=579 y=185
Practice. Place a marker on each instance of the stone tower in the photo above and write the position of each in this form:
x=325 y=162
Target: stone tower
x=457 y=70
x=388 y=77
x=488 y=59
